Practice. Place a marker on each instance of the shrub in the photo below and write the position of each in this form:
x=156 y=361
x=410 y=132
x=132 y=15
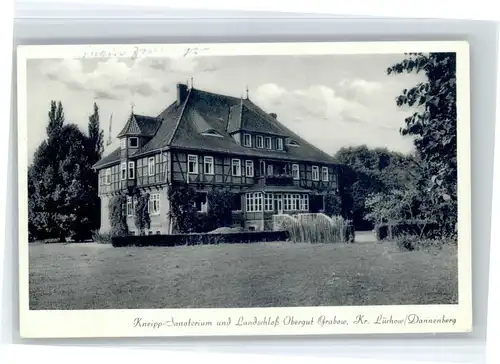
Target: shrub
x=118 y=215
x=333 y=204
x=314 y=228
x=407 y=228
x=413 y=242
x=101 y=238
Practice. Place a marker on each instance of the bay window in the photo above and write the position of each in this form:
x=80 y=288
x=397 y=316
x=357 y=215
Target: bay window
x=254 y=202
x=268 y=202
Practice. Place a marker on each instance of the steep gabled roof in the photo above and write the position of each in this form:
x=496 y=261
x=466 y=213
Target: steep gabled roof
x=254 y=119
x=111 y=158
x=140 y=125
x=193 y=123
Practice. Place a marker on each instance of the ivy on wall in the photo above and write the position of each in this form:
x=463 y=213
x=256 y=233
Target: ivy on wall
x=219 y=207
x=183 y=213
x=142 y=219
x=118 y=215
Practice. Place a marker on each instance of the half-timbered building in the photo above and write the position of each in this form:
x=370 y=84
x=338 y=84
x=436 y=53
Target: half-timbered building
x=208 y=139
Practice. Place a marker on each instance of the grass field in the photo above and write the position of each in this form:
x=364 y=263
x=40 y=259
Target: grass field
x=93 y=276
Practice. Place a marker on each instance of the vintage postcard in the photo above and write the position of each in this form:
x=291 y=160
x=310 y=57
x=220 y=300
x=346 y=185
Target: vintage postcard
x=244 y=189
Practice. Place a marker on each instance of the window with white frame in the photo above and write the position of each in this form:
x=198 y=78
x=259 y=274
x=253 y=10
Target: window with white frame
x=124 y=171
x=130 y=206
x=192 y=164
x=295 y=171
x=270 y=170
x=268 y=202
x=247 y=140
x=254 y=202
x=107 y=176
x=133 y=142
x=131 y=170
x=287 y=202
x=151 y=166
x=249 y=168
x=123 y=143
x=279 y=144
x=267 y=143
x=154 y=204
x=259 y=141
x=201 y=202
x=236 y=167
x=324 y=174
x=315 y=173
x=296 y=202
x=208 y=165
x=304 y=202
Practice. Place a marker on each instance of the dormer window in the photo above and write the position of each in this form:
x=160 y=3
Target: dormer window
x=212 y=133
x=247 y=140
x=293 y=143
x=259 y=141
x=133 y=142
x=267 y=142
x=279 y=144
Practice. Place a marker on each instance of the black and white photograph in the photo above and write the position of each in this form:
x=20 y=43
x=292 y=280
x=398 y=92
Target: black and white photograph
x=192 y=179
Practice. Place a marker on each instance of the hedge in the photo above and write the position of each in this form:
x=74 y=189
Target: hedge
x=245 y=237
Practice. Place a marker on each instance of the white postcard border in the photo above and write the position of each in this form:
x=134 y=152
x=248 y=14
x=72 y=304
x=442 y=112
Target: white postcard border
x=273 y=321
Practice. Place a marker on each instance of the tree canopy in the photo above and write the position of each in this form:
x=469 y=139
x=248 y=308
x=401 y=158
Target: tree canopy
x=62 y=186
x=434 y=125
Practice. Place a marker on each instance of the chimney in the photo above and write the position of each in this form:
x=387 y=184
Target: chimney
x=182 y=91
x=273 y=115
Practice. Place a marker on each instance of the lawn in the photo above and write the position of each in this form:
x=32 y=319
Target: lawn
x=93 y=276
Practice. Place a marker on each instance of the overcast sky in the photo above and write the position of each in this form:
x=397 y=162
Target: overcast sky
x=333 y=101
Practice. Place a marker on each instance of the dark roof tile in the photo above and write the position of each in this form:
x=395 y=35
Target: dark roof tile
x=188 y=125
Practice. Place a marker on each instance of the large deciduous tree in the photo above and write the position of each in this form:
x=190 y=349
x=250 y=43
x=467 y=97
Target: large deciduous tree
x=367 y=171
x=62 y=187
x=434 y=125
